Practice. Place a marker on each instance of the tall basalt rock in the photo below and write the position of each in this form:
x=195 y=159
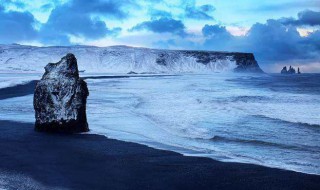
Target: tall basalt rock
x=60 y=98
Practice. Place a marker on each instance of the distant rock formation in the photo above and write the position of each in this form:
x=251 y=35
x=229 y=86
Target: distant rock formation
x=132 y=72
x=291 y=70
x=60 y=98
x=284 y=70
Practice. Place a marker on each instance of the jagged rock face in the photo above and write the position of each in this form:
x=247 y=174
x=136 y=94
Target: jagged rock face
x=60 y=98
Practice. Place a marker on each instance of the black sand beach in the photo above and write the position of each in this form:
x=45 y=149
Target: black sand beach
x=33 y=160
x=96 y=162
x=18 y=90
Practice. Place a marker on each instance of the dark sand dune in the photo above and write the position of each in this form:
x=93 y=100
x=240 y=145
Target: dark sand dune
x=96 y=162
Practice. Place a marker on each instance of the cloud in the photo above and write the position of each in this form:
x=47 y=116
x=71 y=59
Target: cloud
x=162 y=25
x=156 y=14
x=270 y=42
x=166 y=44
x=215 y=30
x=16 y=26
x=283 y=6
x=110 y=8
x=17 y=4
x=216 y=37
x=46 y=7
x=82 y=18
x=201 y=12
x=305 y=18
x=275 y=42
x=84 y=22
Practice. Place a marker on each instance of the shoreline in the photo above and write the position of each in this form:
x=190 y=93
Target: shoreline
x=33 y=160
x=28 y=89
x=55 y=161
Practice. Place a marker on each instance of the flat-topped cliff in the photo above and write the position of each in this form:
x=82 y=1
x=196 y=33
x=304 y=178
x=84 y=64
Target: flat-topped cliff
x=123 y=59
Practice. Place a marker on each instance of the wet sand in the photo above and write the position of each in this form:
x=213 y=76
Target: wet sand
x=86 y=161
x=18 y=90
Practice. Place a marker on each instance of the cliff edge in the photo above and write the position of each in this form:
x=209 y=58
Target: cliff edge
x=124 y=59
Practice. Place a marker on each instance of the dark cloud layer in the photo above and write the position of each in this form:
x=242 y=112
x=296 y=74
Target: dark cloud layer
x=201 y=12
x=77 y=18
x=305 y=18
x=215 y=31
x=271 y=42
x=162 y=25
x=216 y=37
x=16 y=26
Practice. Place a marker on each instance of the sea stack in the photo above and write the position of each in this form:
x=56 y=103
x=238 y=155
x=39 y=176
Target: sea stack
x=60 y=98
x=299 y=71
x=284 y=70
x=291 y=70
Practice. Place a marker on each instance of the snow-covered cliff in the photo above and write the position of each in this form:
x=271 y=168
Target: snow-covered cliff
x=123 y=59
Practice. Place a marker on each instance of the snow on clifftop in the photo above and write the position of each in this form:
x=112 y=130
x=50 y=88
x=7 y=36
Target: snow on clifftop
x=123 y=59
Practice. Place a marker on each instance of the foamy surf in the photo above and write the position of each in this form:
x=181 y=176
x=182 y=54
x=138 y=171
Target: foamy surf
x=226 y=117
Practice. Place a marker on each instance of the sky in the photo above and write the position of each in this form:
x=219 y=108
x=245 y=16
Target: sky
x=279 y=33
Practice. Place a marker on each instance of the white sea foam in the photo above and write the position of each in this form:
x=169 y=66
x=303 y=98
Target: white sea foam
x=202 y=115
x=187 y=111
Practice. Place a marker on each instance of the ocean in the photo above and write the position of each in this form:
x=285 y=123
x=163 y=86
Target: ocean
x=269 y=119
